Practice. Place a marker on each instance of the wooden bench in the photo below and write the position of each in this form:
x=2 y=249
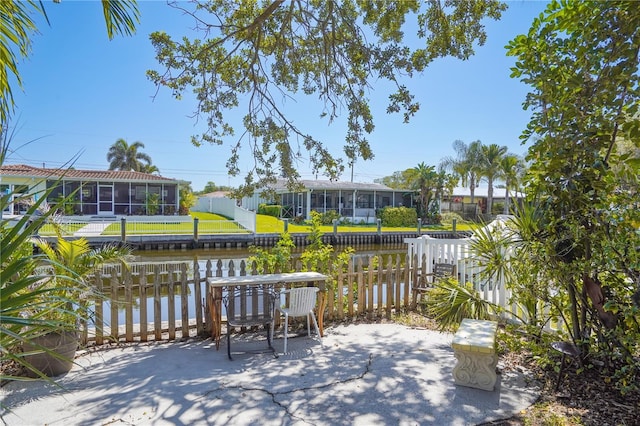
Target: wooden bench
x=474 y=346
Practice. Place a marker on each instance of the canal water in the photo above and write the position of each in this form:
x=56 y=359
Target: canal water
x=225 y=255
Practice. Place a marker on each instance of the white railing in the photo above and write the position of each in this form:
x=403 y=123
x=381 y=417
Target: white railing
x=228 y=208
x=148 y=227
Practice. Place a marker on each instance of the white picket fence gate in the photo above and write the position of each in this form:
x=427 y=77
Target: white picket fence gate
x=459 y=252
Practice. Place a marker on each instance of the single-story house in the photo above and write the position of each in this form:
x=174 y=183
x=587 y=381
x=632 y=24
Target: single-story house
x=355 y=201
x=460 y=199
x=93 y=192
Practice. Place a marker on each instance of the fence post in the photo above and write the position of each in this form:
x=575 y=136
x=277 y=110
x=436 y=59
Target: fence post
x=379 y=227
x=419 y=226
x=123 y=229
x=286 y=224
x=455 y=222
x=195 y=229
x=335 y=227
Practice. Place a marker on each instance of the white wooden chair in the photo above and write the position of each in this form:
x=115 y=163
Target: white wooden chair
x=302 y=301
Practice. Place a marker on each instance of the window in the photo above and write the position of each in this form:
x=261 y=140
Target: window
x=139 y=192
x=89 y=192
x=170 y=194
x=72 y=188
x=57 y=190
x=20 y=189
x=364 y=201
x=121 y=193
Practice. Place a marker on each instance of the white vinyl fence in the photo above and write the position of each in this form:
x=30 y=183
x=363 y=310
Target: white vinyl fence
x=459 y=252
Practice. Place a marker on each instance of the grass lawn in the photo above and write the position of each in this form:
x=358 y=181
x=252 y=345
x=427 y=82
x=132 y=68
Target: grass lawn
x=67 y=228
x=207 y=216
x=210 y=223
x=269 y=224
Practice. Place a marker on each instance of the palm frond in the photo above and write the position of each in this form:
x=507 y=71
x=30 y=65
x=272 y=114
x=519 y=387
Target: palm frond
x=121 y=17
x=450 y=302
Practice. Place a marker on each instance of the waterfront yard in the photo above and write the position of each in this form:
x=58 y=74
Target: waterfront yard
x=211 y=223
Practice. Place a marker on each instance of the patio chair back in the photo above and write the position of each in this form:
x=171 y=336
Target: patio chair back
x=302 y=300
x=249 y=306
x=442 y=270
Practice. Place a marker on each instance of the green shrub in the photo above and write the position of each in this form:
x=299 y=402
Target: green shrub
x=448 y=217
x=275 y=260
x=497 y=208
x=328 y=217
x=399 y=216
x=153 y=203
x=345 y=221
x=270 y=209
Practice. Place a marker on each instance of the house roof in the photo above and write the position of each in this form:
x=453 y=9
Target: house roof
x=22 y=170
x=319 y=185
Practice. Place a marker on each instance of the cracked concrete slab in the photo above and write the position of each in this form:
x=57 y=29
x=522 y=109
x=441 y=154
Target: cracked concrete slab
x=367 y=374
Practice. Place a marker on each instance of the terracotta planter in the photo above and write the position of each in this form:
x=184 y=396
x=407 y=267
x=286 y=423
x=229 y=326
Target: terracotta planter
x=64 y=344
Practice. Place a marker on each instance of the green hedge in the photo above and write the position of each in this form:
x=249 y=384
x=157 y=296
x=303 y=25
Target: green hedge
x=399 y=216
x=270 y=209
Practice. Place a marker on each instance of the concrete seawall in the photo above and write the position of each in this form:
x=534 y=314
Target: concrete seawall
x=213 y=241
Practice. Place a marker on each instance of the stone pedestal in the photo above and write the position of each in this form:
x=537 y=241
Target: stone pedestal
x=474 y=348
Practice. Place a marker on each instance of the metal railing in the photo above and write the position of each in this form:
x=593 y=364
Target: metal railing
x=152 y=227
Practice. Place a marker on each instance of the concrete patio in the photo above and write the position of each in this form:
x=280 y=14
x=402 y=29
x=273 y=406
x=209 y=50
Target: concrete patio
x=369 y=374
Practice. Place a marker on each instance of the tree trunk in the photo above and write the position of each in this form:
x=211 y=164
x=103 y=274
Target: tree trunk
x=574 y=310
x=490 y=196
x=593 y=288
x=506 y=199
x=472 y=189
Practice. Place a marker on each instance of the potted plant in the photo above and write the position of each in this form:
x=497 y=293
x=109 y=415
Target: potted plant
x=66 y=303
x=44 y=295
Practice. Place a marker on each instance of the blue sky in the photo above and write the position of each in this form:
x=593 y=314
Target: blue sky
x=82 y=92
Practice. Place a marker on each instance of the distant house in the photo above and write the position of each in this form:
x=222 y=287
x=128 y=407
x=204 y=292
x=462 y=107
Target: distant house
x=460 y=200
x=93 y=192
x=352 y=200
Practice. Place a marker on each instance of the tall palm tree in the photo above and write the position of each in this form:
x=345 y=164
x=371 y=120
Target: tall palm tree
x=490 y=166
x=466 y=164
x=511 y=169
x=422 y=180
x=18 y=25
x=149 y=168
x=122 y=156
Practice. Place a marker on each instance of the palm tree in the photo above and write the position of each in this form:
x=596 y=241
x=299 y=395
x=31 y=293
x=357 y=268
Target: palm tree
x=490 y=166
x=511 y=169
x=422 y=180
x=18 y=25
x=149 y=168
x=465 y=164
x=122 y=156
